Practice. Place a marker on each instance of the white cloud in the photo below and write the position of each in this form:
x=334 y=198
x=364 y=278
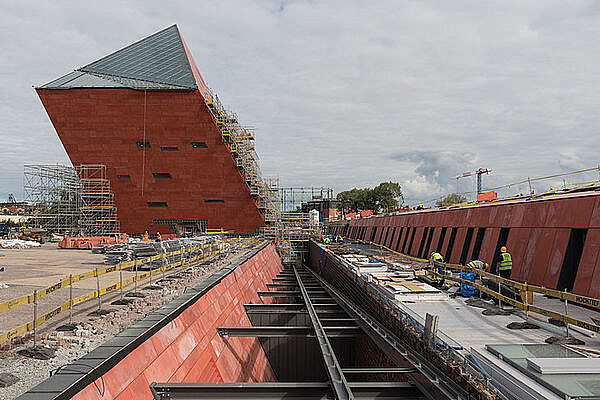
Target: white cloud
x=338 y=89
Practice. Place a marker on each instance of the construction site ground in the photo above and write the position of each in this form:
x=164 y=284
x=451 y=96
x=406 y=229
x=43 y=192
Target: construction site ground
x=466 y=327
x=552 y=304
x=28 y=269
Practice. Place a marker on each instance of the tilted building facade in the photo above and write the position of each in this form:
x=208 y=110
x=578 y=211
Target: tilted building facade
x=175 y=158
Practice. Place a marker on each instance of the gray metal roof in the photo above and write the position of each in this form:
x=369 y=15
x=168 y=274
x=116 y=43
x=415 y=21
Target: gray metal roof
x=78 y=79
x=156 y=62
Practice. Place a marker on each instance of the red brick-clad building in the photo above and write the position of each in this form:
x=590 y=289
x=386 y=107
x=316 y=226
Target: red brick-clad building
x=143 y=111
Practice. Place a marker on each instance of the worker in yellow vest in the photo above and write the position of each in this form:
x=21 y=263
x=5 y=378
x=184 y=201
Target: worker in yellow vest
x=477 y=264
x=506 y=263
x=434 y=259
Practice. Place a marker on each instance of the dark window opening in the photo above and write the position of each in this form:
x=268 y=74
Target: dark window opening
x=123 y=176
x=399 y=238
x=570 y=265
x=373 y=233
x=387 y=232
x=157 y=204
x=161 y=175
x=214 y=201
x=478 y=242
x=428 y=245
x=406 y=240
x=502 y=239
x=466 y=245
x=412 y=239
x=422 y=243
x=441 y=240
x=169 y=148
x=450 y=244
x=199 y=145
x=143 y=145
x=392 y=237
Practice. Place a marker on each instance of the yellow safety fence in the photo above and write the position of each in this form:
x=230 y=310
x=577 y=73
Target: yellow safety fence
x=524 y=306
x=31 y=298
x=525 y=289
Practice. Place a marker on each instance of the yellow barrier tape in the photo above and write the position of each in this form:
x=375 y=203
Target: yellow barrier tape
x=523 y=306
x=14 y=303
x=93 y=294
x=575 y=298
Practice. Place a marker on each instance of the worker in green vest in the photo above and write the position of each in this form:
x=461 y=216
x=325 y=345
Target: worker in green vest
x=505 y=263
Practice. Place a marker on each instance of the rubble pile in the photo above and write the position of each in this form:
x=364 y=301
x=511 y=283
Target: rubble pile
x=17 y=244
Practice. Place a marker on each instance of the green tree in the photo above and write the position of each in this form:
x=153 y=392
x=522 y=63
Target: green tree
x=383 y=197
x=453 y=198
x=386 y=196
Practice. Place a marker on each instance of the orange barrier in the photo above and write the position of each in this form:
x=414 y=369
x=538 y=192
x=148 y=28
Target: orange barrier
x=87 y=242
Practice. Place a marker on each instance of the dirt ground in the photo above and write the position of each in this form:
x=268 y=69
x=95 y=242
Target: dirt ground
x=38 y=268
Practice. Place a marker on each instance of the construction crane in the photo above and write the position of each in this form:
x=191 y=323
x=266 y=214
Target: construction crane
x=477 y=172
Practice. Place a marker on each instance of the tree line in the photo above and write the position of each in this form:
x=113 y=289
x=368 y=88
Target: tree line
x=386 y=197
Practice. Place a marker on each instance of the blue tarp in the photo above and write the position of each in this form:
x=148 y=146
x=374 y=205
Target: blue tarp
x=466 y=290
x=374 y=260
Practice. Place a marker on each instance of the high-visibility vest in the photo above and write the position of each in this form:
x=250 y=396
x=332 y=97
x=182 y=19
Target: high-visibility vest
x=437 y=257
x=476 y=264
x=505 y=262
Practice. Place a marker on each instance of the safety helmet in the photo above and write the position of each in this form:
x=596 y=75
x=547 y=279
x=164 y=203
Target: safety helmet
x=503 y=249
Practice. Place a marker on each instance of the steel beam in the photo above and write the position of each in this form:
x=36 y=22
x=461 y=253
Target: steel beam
x=389 y=342
x=281 y=285
x=334 y=371
x=279 y=390
x=279 y=293
x=292 y=308
x=282 y=331
x=382 y=370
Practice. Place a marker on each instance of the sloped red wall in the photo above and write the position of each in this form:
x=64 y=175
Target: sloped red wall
x=189 y=349
x=538 y=237
x=102 y=126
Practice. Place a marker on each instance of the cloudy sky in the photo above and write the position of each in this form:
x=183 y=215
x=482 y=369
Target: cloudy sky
x=344 y=93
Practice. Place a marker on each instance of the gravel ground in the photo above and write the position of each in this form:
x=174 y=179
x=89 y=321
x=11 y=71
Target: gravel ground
x=93 y=331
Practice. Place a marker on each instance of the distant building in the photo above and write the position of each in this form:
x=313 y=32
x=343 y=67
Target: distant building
x=146 y=114
x=328 y=209
x=359 y=214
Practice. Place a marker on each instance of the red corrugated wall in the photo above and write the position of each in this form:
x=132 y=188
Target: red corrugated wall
x=102 y=126
x=189 y=349
x=538 y=237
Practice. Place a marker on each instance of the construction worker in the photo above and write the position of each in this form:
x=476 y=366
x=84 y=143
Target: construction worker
x=158 y=237
x=477 y=264
x=326 y=240
x=435 y=258
x=506 y=264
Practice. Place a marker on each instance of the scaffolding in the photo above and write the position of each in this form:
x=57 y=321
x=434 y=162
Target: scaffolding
x=291 y=198
x=239 y=140
x=74 y=201
x=98 y=213
x=290 y=228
